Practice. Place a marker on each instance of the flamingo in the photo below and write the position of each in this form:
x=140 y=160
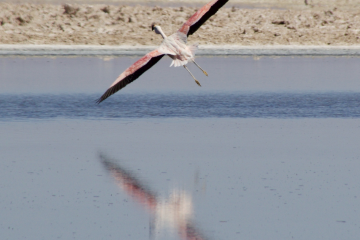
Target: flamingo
x=174 y=46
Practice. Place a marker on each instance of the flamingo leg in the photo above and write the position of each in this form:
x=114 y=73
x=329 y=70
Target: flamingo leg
x=197 y=82
x=201 y=68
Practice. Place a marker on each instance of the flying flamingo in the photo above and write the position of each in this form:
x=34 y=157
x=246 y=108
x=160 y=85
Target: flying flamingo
x=174 y=46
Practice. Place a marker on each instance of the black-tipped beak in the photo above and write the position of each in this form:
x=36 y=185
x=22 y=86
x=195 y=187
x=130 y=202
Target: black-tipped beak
x=153 y=27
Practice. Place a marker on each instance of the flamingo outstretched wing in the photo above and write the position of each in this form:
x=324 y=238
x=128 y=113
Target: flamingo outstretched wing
x=203 y=14
x=132 y=73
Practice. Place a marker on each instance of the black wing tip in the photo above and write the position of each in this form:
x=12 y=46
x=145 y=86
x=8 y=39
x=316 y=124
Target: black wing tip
x=99 y=100
x=213 y=9
x=107 y=94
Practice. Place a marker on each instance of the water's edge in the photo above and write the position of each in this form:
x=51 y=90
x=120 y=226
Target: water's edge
x=204 y=50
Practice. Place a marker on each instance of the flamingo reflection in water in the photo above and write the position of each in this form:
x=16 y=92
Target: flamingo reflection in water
x=174 y=213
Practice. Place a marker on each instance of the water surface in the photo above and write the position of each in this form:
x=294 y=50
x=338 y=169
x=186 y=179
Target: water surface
x=233 y=105
x=267 y=149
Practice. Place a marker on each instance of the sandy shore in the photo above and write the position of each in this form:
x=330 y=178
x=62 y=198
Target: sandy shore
x=81 y=24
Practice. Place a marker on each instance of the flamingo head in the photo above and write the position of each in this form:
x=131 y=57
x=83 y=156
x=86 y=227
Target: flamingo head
x=156 y=28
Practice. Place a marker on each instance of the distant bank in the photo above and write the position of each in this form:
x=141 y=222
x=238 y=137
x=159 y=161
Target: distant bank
x=113 y=25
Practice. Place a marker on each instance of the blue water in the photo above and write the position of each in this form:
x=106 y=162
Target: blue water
x=266 y=149
x=218 y=105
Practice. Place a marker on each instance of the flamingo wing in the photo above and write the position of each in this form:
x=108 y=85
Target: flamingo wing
x=132 y=73
x=203 y=14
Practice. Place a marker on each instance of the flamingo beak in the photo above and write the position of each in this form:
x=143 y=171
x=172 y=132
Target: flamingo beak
x=153 y=27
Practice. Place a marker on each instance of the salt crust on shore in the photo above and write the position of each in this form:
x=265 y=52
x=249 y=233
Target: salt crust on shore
x=81 y=24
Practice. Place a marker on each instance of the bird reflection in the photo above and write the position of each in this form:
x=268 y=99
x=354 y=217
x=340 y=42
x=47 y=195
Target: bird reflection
x=173 y=213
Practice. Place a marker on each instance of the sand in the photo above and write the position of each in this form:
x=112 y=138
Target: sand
x=101 y=24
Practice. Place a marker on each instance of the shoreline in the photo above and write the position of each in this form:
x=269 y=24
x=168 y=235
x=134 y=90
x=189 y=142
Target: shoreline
x=101 y=25
x=204 y=50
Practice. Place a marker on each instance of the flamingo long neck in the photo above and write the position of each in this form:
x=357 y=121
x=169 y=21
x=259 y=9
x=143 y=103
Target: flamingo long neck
x=161 y=32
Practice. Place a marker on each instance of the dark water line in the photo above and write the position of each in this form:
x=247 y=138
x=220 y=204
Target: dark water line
x=218 y=105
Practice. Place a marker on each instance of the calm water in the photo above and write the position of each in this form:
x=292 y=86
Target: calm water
x=266 y=149
x=256 y=105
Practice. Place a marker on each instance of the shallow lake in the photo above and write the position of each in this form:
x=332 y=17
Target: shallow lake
x=267 y=148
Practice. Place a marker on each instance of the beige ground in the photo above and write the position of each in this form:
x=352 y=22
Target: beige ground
x=130 y=25
x=288 y=4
